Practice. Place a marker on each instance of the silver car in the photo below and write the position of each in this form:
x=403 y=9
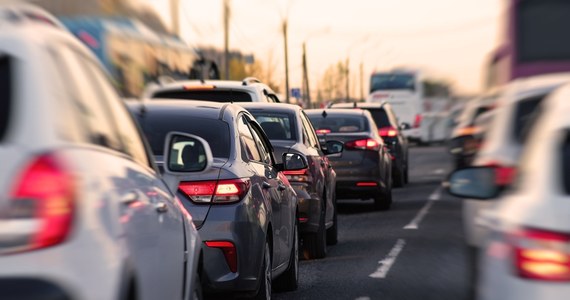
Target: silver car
x=84 y=214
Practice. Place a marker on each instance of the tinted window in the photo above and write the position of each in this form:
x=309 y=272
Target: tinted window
x=387 y=81
x=313 y=141
x=380 y=117
x=277 y=126
x=525 y=115
x=263 y=150
x=209 y=95
x=157 y=125
x=5 y=94
x=542 y=24
x=249 y=147
x=566 y=163
x=339 y=123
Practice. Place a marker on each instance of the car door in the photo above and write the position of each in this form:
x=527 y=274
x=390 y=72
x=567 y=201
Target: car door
x=164 y=268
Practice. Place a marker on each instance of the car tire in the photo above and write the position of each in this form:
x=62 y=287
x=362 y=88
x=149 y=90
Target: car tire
x=399 y=179
x=406 y=174
x=384 y=200
x=332 y=233
x=315 y=244
x=289 y=281
x=264 y=291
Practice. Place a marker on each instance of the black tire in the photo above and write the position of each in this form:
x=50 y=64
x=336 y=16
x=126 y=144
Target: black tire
x=264 y=291
x=399 y=176
x=384 y=200
x=289 y=281
x=197 y=293
x=406 y=176
x=332 y=233
x=315 y=244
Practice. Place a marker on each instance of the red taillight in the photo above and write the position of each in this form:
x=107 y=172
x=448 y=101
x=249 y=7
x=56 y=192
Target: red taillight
x=504 y=175
x=364 y=144
x=366 y=184
x=418 y=121
x=323 y=131
x=41 y=205
x=541 y=255
x=297 y=175
x=387 y=131
x=229 y=250
x=222 y=191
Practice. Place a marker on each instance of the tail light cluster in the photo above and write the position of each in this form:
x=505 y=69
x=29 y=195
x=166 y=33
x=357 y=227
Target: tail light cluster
x=229 y=250
x=323 y=131
x=504 y=175
x=298 y=175
x=541 y=255
x=363 y=144
x=41 y=206
x=216 y=191
x=417 y=121
x=388 y=131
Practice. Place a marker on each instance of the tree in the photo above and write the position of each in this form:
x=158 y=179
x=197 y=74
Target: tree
x=332 y=84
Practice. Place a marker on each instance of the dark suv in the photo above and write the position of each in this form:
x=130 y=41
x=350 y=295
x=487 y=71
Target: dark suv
x=389 y=130
x=290 y=131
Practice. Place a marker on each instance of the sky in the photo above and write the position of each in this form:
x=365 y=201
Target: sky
x=449 y=39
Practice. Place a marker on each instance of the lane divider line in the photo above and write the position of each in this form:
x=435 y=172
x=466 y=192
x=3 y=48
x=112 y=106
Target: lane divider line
x=389 y=260
x=435 y=196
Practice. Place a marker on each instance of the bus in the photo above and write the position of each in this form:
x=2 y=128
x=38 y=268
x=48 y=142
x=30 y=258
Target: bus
x=135 y=55
x=534 y=41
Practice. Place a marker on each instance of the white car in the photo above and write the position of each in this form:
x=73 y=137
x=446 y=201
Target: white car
x=526 y=254
x=84 y=213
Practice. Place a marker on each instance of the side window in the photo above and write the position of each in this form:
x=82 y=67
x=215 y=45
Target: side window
x=6 y=100
x=392 y=117
x=128 y=132
x=264 y=151
x=87 y=105
x=249 y=148
x=309 y=131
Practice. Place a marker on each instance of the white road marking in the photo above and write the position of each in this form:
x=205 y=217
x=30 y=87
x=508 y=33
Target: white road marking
x=435 y=196
x=390 y=259
x=363 y=298
x=439 y=172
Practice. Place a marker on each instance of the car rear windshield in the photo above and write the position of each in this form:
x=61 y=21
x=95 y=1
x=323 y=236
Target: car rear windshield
x=388 y=81
x=156 y=126
x=277 y=126
x=206 y=95
x=339 y=123
x=526 y=112
x=380 y=117
x=5 y=95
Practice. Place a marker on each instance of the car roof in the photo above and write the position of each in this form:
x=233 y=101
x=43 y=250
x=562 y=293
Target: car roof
x=217 y=84
x=199 y=109
x=364 y=105
x=339 y=111
x=273 y=107
x=535 y=85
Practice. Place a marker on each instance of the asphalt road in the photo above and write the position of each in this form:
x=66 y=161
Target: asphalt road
x=413 y=251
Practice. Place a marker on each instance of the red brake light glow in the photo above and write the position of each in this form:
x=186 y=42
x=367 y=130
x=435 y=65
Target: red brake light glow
x=297 y=175
x=229 y=250
x=366 y=184
x=418 y=121
x=387 y=131
x=222 y=191
x=323 y=131
x=504 y=175
x=363 y=144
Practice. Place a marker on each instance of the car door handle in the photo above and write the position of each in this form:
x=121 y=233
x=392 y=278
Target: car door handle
x=266 y=185
x=161 y=207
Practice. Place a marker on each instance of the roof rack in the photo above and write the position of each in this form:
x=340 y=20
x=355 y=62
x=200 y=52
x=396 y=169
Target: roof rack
x=250 y=80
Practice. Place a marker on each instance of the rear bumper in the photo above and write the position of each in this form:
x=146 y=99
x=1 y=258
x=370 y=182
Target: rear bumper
x=31 y=289
x=348 y=189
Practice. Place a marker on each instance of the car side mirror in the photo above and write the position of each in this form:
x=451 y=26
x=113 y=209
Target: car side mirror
x=185 y=154
x=294 y=162
x=475 y=182
x=333 y=147
x=405 y=126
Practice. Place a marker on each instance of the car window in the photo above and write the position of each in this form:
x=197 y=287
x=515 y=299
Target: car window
x=566 y=163
x=380 y=117
x=263 y=150
x=525 y=114
x=338 y=123
x=277 y=126
x=5 y=94
x=126 y=128
x=206 y=95
x=89 y=108
x=249 y=147
x=309 y=131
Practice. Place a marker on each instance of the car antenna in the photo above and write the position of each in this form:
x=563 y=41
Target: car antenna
x=324 y=114
x=354 y=105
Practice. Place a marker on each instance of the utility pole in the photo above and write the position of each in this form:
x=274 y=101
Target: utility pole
x=227 y=39
x=306 y=90
x=361 y=81
x=347 y=79
x=174 y=15
x=286 y=61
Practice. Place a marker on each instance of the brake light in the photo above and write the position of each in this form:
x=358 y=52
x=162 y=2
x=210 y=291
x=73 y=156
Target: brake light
x=366 y=184
x=541 y=255
x=387 y=131
x=229 y=250
x=198 y=87
x=222 y=191
x=323 y=131
x=418 y=121
x=297 y=175
x=471 y=130
x=504 y=175
x=41 y=208
x=364 y=144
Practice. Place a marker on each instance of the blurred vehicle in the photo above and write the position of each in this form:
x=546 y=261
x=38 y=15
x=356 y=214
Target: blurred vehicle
x=532 y=44
x=525 y=255
x=135 y=55
x=244 y=207
x=416 y=101
x=516 y=112
x=248 y=90
x=290 y=131
x=84 y=212
x=466 y=140
x=391 y=133
x=364 y=168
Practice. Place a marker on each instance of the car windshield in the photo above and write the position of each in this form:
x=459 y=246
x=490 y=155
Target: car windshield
x=206 y=95
x=157 y=125
x=392 y=82
x=339 y=123
x=277 y=126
